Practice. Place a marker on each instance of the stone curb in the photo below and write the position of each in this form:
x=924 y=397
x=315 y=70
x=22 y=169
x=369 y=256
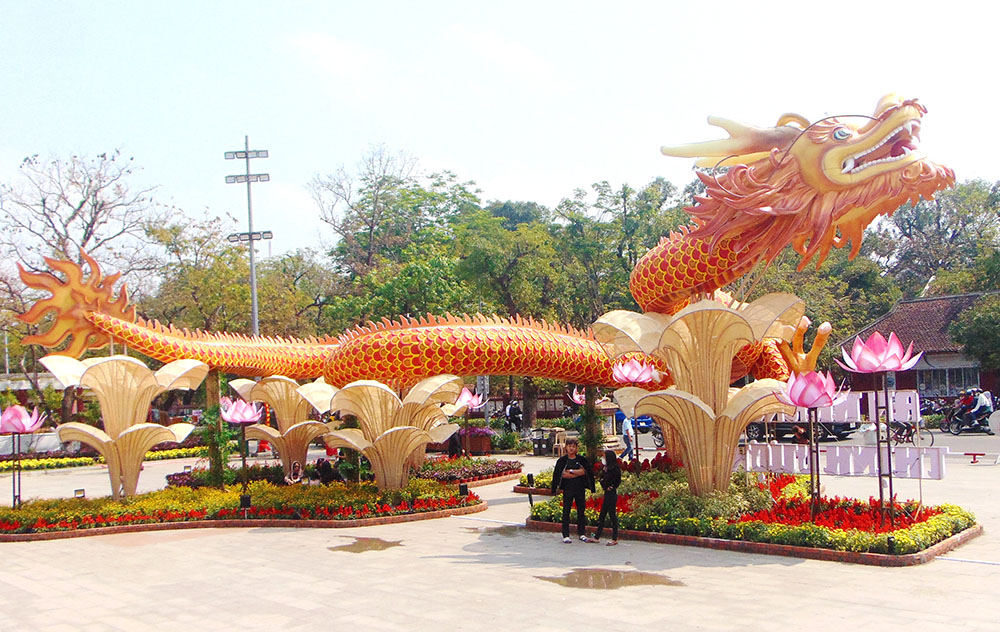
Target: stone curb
x=256 y=522
x=495 y=479
x=537 y=491
x=764 y=548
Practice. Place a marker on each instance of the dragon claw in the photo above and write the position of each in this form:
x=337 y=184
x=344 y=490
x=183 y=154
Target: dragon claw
x=799 y=360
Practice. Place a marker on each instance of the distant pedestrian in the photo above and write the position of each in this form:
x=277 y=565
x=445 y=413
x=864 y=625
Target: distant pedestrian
x=574 y=476
x=610 y=480
x=627 y=438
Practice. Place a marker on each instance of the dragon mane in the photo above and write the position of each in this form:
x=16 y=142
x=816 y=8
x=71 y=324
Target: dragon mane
x=767 y=205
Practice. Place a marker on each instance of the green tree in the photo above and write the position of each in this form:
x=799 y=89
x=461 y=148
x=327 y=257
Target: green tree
x=947 y=233
x=848 y=294
x=983 y=275
x=205 y=278
x=978 y=331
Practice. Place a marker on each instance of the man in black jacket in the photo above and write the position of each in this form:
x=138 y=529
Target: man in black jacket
x=574 y=476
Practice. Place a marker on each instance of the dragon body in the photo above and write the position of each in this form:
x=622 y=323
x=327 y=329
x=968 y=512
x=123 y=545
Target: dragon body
x=810 y=186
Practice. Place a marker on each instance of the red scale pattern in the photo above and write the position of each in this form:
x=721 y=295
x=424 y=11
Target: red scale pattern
x=681 y=266
x=293 y=358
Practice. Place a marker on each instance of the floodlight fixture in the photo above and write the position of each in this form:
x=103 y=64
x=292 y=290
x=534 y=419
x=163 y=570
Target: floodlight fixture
x=246 y=154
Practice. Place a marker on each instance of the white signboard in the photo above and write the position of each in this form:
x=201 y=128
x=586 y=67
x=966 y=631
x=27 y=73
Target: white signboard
x=848 y=460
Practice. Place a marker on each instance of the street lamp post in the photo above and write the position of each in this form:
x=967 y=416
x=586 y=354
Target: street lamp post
x=246 y=154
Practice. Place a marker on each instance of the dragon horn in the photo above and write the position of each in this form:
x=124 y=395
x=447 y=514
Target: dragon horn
x=743 y=139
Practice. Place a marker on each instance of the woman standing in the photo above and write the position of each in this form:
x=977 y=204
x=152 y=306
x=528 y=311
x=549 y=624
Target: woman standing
x=610 y=480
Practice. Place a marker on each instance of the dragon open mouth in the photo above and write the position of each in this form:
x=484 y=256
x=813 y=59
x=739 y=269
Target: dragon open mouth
x=896 y=146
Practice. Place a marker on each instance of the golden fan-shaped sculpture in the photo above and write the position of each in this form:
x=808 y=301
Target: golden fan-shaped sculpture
x=291 y=404
x=702 y=413
x=125 y=388
x=393 y=431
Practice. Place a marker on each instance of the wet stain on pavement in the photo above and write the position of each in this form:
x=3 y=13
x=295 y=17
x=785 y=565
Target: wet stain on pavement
x=604 y=579
x=506 y=531
x=362 y=545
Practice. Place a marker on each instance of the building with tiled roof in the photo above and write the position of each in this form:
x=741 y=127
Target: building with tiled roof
x=944 y=369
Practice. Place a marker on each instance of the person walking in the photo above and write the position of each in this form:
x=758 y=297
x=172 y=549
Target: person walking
x=627 y=438
x=610 y=480
x=574 y=476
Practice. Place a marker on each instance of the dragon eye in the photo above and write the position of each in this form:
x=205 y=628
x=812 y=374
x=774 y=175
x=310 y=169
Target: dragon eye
x=841 y=134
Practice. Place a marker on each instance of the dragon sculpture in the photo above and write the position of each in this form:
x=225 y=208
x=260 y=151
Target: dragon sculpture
x=812 y=186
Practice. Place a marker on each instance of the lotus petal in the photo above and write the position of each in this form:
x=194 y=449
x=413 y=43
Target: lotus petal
x=621 y=331
x=441 y=433
x=243 y=387
x=318 y=394
x=181 y=374
x=373 y=403
x=65 y=369
x=16 y=419
x=438 y=389
x=350 y=438
x=282 y=395
x=878 y=354
x=628 y=397
x=774 y=315
x=241 y=412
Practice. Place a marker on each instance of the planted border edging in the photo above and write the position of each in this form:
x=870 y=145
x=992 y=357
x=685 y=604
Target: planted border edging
x=764 y=548
x=495 y=479
x=256 y=522
x=537 y=491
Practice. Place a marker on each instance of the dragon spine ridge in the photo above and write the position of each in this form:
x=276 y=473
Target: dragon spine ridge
x=463 y=320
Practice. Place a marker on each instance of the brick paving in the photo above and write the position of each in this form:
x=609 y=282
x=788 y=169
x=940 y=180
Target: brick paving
x=479 y=572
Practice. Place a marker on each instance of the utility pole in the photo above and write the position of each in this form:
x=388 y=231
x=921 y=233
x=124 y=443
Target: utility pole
x=250 y=236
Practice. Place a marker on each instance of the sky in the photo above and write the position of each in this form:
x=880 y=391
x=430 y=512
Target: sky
x=530 y=100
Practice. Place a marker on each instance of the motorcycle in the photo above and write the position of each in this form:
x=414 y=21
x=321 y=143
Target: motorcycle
x=980 y=423
x=952 y=411
x=933 y=406
x=657 y=434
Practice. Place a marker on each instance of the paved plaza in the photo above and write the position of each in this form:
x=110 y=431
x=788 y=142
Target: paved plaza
x=481 y=572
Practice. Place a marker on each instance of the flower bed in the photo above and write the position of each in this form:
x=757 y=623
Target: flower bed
x=79 y=461
x=48 y=464
x=337 y=501
x=842 y=525
x=465 y=469
x=176 y=453
x=200 y=477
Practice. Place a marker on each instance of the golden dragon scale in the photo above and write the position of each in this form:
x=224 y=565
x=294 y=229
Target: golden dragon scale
x=813 y=186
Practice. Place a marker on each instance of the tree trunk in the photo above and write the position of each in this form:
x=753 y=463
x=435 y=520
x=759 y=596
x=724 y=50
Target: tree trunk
x=530 y=404
x=215 y=465
x=591 y=431
x=69 y=399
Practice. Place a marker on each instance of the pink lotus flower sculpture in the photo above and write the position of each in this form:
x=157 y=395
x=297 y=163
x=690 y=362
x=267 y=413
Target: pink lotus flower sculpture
x=240 y=412
x=470 y=399
x=878 y=354
x=633 y=372
x=811 y=390
x=16 y=420
x=578 y=397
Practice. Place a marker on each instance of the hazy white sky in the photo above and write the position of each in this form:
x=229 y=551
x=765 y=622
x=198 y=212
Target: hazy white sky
x=528 y=99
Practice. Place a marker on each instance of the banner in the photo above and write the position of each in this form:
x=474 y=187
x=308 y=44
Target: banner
x=848 y=460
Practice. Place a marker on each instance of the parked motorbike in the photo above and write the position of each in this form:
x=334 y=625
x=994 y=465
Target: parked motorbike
x=657 y=434
x=933 y=406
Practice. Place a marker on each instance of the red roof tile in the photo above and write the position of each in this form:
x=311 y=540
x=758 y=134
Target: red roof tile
x=925 y=321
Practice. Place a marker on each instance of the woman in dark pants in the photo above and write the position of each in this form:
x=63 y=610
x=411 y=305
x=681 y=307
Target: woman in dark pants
x=610 y=480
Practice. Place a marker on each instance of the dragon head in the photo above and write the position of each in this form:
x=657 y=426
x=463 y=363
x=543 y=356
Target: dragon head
x=814 y=186
x=72 y=300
